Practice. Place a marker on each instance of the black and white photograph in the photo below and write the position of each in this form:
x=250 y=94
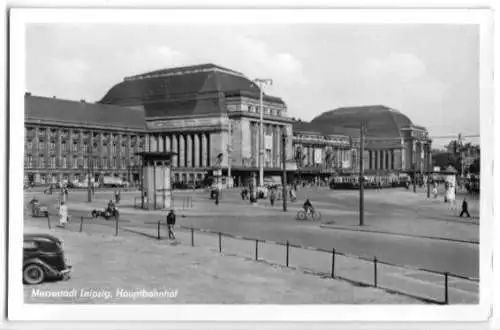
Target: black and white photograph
x=279 y=157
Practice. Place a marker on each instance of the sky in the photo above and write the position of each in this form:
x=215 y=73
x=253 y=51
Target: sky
x=428 y=72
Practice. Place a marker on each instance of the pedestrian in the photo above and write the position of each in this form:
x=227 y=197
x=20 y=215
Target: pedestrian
x=63 y=214
x=66 y=192
x=293 y=197
x=465 y=208
x=435 y=190
x=171 y=224
x=216 y=196
x=116 y=196
x=244 y=193
x=272 y=197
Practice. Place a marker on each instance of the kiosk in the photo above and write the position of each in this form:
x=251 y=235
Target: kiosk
x=156 y=180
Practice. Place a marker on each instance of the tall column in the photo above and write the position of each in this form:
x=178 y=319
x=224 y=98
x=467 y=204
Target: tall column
x=204 y=150
x=189 y=151
x=403 y=159
x=175 y=159
x=197 y=150
x=168 y=144
x=163 y=143
x=119 y=155
x=128 y=154
x=182 y=151
x=338 y=159
x=413 y=152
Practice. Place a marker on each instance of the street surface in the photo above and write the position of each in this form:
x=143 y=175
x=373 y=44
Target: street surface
x=237 y=217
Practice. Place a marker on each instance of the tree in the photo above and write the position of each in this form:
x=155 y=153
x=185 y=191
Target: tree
x=476 y=166
x=444 y=159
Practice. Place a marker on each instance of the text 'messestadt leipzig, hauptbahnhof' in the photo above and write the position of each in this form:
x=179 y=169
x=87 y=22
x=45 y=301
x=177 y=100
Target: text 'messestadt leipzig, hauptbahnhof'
x=209 y=116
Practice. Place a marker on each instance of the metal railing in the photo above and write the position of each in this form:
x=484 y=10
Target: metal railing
x=427 y=285
x=371 y=272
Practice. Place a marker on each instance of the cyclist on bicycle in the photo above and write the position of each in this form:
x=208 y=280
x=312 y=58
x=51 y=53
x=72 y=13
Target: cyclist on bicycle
x=308 y=207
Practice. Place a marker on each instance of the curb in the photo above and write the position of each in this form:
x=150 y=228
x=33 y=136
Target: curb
x=399 y=234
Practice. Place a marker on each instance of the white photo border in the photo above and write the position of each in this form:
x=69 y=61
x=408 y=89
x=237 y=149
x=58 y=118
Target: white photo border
x=18 y=310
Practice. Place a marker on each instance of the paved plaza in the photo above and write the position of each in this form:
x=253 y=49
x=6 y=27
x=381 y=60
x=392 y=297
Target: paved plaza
x=109 y=267
x=401 y=227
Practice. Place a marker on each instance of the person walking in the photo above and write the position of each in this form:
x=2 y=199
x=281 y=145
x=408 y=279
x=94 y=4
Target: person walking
x=171 y=224
x=465 y=208
x=435 y=190
x=217 y=196
x=272 y=196
x=117 y=196
x=63 y=214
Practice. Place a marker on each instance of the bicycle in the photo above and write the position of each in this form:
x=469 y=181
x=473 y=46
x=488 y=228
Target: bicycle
x=313 y=214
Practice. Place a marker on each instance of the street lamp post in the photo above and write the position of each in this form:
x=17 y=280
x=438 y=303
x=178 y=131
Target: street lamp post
x=261 y=82
x=229 y=150
x=284 y=189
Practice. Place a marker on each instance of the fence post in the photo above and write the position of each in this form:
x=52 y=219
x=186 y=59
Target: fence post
x=375 y=271
x=81 y=223
x=287 y=251
x=333 y=263
x=256 y=249
x=220 y=242
x=48 y=221
x=192 y=236
x=446 y=288
x=158 y=229
x=117 y=218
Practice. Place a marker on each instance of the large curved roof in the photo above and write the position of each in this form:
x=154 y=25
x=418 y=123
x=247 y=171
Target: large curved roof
x=38 y=108
x=195 y=90
x=381 y=121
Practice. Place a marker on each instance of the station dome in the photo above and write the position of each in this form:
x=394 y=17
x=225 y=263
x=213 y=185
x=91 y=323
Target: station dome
x=381 y=121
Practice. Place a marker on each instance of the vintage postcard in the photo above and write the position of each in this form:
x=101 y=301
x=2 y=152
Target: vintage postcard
x=271 y=165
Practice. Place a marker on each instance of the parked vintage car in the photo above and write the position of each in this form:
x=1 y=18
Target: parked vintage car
x=43 y=259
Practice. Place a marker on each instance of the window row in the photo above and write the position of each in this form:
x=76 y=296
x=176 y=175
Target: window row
x=267 y=111
x=106 y=137
x=75 y=162
x=74 y=147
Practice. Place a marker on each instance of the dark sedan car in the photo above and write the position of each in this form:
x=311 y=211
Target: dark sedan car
x=43 y=258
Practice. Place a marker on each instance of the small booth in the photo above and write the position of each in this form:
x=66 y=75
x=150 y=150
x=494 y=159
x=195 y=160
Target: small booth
x=450 y=179
x=156 y=180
